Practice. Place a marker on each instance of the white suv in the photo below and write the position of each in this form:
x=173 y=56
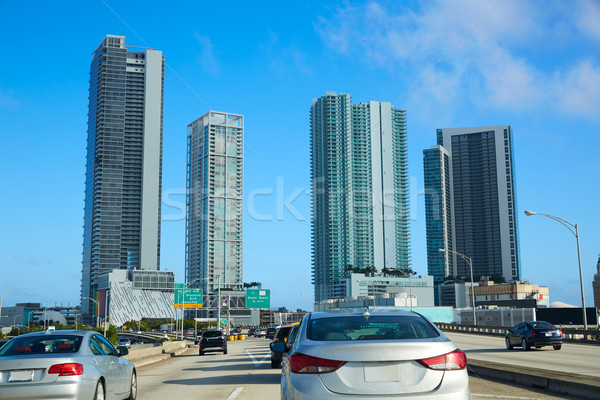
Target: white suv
x=124 y=342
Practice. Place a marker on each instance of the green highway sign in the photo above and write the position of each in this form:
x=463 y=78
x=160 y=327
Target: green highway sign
x=192 y=299
x=258 y=298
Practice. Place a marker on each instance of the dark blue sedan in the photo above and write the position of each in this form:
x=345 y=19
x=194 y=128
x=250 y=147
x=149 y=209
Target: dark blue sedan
x=534 y=334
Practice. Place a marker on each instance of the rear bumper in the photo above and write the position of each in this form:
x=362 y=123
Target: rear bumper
x=544 y=342
x=454 y=386
x=60 y=389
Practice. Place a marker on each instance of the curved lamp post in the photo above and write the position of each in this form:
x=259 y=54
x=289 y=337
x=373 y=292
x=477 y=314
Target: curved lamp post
x=469 y=261
x=575 y=231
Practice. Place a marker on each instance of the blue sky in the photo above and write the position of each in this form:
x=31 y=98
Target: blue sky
x=529 y=64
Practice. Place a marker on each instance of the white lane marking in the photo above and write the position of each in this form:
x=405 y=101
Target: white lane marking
x=235 y=393
x=494 y=396
x=257 y=363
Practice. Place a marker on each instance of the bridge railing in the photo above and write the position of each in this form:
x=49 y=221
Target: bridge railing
x=569 y=334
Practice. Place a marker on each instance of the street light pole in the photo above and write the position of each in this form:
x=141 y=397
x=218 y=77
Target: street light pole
x=185 y=285
x=97 y=311
x=469 y=261
x=575 y=231
x=7 y=292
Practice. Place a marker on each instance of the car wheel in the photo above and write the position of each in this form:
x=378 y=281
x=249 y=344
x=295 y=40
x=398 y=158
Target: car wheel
x=275 y=364
x=200 y=353
x=508 y=345
x=99 y=395
x=525 y=345
x=133 y=388
x=557 y=347
x=225 y=350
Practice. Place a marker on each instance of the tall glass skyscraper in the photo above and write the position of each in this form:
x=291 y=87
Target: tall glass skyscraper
x=470 y=203
x=214 y=201
x=124 y=163
x=359 y=178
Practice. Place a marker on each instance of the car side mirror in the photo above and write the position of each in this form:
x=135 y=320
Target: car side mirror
x=278 y=347
x=123 y=351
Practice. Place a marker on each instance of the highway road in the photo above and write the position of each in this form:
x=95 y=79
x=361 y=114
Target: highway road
x=245 y=374
x=573 y=358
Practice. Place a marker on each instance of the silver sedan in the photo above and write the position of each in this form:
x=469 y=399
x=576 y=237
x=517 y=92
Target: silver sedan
x=65 y=365
x=383 y=355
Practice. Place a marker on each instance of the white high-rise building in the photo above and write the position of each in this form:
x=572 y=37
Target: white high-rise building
x=359 y=175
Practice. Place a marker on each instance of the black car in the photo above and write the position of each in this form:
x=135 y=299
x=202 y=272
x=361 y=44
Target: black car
x=271 y=332
x=534 y=334
x=285 y=334
x=211 y=340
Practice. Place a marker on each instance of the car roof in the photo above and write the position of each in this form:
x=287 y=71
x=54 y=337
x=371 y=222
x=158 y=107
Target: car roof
x=382 y=313
x=60 y=332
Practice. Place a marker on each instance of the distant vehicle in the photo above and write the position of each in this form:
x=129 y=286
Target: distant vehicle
x=65 y=364
x=251 y=331
x=271 y=332
x=260 y=332
x=372 y=355
x=282 y=335
x=534 y=334
x=123 y=342
x=212 y=339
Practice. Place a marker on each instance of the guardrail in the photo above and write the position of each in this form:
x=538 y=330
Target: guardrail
x=569 y=334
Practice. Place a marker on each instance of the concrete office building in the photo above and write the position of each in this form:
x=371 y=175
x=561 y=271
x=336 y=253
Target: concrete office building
x=124 y=163
x=470 y=203
x=214 y=201
x=359 y=178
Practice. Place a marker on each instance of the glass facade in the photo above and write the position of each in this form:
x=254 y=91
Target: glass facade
x=359 y=183
x=215 y=201
x=470 y=203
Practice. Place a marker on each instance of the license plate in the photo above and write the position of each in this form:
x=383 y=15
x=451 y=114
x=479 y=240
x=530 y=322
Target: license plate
x=549 y=334
x=382 y=373
x=21 y=376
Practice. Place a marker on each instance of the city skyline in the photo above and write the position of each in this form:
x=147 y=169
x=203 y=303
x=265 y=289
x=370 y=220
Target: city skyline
x=447 y=65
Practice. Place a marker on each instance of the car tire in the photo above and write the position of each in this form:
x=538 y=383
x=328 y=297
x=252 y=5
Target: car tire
x=508 y=345
x=133 y=387
x=525 y=345
x=275 y=364
x=225 y=350
x=557 y=347
x=99 y=394
x=200 y=352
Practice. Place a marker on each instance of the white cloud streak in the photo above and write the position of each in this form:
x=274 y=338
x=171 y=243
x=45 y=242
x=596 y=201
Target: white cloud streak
x=490 y=66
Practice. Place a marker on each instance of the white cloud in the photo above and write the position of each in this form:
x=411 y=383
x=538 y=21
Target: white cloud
x=578 y=90
x=207 y=58
x=487 y=51
x=589 y=20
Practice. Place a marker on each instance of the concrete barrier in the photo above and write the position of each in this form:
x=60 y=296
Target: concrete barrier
x=565 y=383
x=150 y=354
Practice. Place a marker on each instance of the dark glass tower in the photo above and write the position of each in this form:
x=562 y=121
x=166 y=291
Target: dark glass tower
x=470 y=203
x=124 y=163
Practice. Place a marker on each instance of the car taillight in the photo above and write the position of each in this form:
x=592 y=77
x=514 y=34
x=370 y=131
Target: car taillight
x=446 y=362
x=66 y=369
x=303 y=364
x=560 y=332
x=532 y=333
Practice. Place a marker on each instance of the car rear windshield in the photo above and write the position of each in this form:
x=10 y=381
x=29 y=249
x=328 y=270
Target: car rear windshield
x=212 y=334
x=41 y=344
x=282 y=333
x=541 y=325
x=372 y=328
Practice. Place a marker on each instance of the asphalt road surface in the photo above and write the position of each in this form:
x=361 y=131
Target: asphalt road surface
x=245 y=374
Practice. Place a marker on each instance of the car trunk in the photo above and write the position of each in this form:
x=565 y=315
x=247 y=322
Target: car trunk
x=383 y=368
x=30 y=370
